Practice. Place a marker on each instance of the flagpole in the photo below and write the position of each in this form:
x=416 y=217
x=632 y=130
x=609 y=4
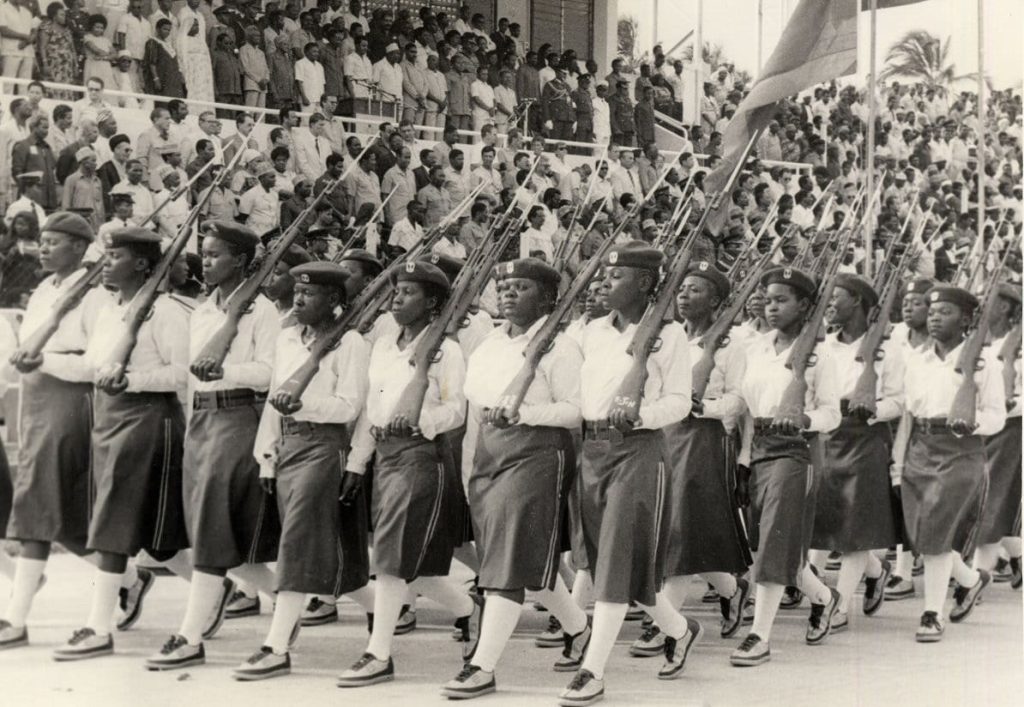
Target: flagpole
x=760 y=34
x=869 y=186
x=981 y=125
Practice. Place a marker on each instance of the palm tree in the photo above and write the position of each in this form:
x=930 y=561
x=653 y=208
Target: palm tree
x=712 y=54
x=923 y=58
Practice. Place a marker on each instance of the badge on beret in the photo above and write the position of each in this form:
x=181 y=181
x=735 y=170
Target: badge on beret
x=304 y=278
x=510 y=268
x=934 y=297
x=410 y=267
x=787 y=273
x=613 y=257
x=434 y=259
x=703 y=267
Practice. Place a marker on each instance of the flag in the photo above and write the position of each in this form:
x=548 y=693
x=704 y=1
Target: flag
x=818 y=44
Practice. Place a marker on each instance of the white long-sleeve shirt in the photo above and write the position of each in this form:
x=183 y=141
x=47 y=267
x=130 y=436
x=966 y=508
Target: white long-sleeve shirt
x=666 y=395
x=722 y=399
x=63 y=355
x=335 y=395
x=250 y=360
x=889 y=392
x=553 y=398
x=390 y=371
x=931 y=383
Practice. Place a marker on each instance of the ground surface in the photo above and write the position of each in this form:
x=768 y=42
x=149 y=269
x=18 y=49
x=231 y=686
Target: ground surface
x=877 y=662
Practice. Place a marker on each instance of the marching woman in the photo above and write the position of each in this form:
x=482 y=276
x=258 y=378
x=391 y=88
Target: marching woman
x=944 y=477
x=1001 y=523
x=854 y=506
x=8 y=345
x=416 y=502
x=300 y=447
x=523 y=467
x=232 y=524
x=780 y=477
x=137 y=434
x=706 y=534
x=622 y=481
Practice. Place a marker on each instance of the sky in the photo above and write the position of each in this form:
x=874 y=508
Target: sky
x=733 y=25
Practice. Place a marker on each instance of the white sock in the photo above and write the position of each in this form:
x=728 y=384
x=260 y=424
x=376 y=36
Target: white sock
x=582 y=588
x=364 y=596
x=287 y=612
x=814 y=588
x=1012 y=547
x=180 y=564
x=873 y=569
x=105 y=586
x=7 y=565
x=676 y=590
x=500 y=620
x=205 y=591
x=257 y=577
x=937 y=570
x=818 y=558
x=467 y=555
x=964 y=575
x=26 y=581
x=444 y=591
x=723 y=582
x=608 y=618
x=850 y=572
x=904 y=563
x=561 y=605
x=766 y=606
x=665 y=616
x=986 y=556
x=387 y=605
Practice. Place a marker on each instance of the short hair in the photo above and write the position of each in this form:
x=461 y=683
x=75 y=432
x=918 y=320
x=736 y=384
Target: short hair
x=275 y=134
x=423 y=154
x=203 y=144
x=163 y=21
x=478 y=207
x=280 y=151
x=97 y=79
x=242 y=117
x=316 y=119
x=62 y=110
x=488 y=128
x=453 y=154
x=132 y=161
x=175 y=104
x=488 y=148
x=333 y=159
x=97 y=19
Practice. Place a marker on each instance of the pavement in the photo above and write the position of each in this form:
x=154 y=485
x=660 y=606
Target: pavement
x=876 y=662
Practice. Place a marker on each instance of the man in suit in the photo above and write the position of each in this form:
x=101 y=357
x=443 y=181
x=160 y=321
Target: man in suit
x=557 y=106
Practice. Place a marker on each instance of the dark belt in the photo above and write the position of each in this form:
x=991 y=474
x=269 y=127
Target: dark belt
x=291 y=426
x=764 y=426
x=601 y=430
x=932 y=426
x=221 y=399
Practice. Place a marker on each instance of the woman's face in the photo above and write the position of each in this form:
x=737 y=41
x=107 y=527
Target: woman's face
x=97 y=29
x=946 y=321
x=219 y=263
x=119 y=267
x=783 y=307
x=61 y=17
x=20 y=228
x=521 y=300
x=914 y=310
x=621 y=286
x=410 y=303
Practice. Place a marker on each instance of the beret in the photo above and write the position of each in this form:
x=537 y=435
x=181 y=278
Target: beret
x=118 y=139
x=319 y=273
x=709 y=272
x=857 y=285
x=792 y=277
x=424 y=273
x=295 y=256
x=133 y=236
x=954 y=295
x=528 y=269
x=69 y=223
x=232 y=233
x=451 y=267
x=362 y=256
x=85 y=153
x=919 y=287
x=1010 y=291
x=634 y=254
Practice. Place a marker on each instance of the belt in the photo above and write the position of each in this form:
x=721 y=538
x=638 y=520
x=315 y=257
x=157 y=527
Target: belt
x=601 y=430
x=291 y=426
x=764 y=426
x=932 y=426
x=222 y=399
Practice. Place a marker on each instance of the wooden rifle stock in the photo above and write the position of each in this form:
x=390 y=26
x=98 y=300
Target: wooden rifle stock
x=34 y=343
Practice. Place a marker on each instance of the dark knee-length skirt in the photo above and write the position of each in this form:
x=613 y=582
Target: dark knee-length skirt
x=517 y=496
x=230 y=519
x=418 y=507
x=782 y=506
x=6 y=492
x=706 y=533
x=573 y=541
x=53 y=489
x=1003 y=506
x=625 y=526
x=854 y=504
x=136 y=457
x=943 y=489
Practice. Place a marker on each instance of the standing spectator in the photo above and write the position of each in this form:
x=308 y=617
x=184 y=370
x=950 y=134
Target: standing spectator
x=355 y=15
x=99 y=52
x=160 y=72
x=358 y=74
x=260 y=207
x=29 y=195
x=58 y=61
x=83 y=191
x=584 y=110
x=18 y=28
x=227 y=72
x=332 y=56
x=149 y=142
x=255 y=72
x=282 y=73
x=163 y=12
x=242 y=139
x=204 y=155
x=482 y=97
x=33 y=154
x=134 y=185
x=302 y=36
x=309 y=76
x=312 y=149
x=676 y=83
x=193 y=53
x=131 y=35
x=115 y=170
x=621 y=115
x=362 y=185
x=504 y=101
x=20 y=270
x=401 y=179
x=437 y=94
x=78 y=22
x=60 y=135
x=436 y=199
x=458 y=95
x=388 y=76
x=643 y=115
x=602 y=116
x=414 y=87
x=528 y=86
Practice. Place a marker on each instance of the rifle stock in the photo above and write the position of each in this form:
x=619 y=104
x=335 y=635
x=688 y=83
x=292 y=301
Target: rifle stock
x=34 y=343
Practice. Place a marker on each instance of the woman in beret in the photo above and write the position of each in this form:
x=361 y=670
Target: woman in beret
x=780 y=475
x=416 y=502
x=706 y=534
x=854 y=507
x=523 y=466
x=137 y=435
x=622 y=480
x=944 y=476
x=232 y=524
x=299 y=448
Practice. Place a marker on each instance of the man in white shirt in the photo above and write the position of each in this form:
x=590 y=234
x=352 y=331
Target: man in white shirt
x=358 y=73
x=18 y=27
x=309 y=75
x=260 y=207
x=131 y=34
x=602 y=116
x=355 y=15
x=626 y=179
x=134 y=185
x=486 y=173
x=312 y=148
x=408 y=232
x=388 y=75
x=482 y=97
x=414 y=86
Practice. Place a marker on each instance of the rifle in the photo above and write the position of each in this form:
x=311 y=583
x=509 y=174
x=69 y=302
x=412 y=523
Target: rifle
x=240 y=302
x=1009 y=352
x=964 y=410
x=801 y=357
x=361 y=230
x=751 y=247
x=578 y=210
x=717 y=335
